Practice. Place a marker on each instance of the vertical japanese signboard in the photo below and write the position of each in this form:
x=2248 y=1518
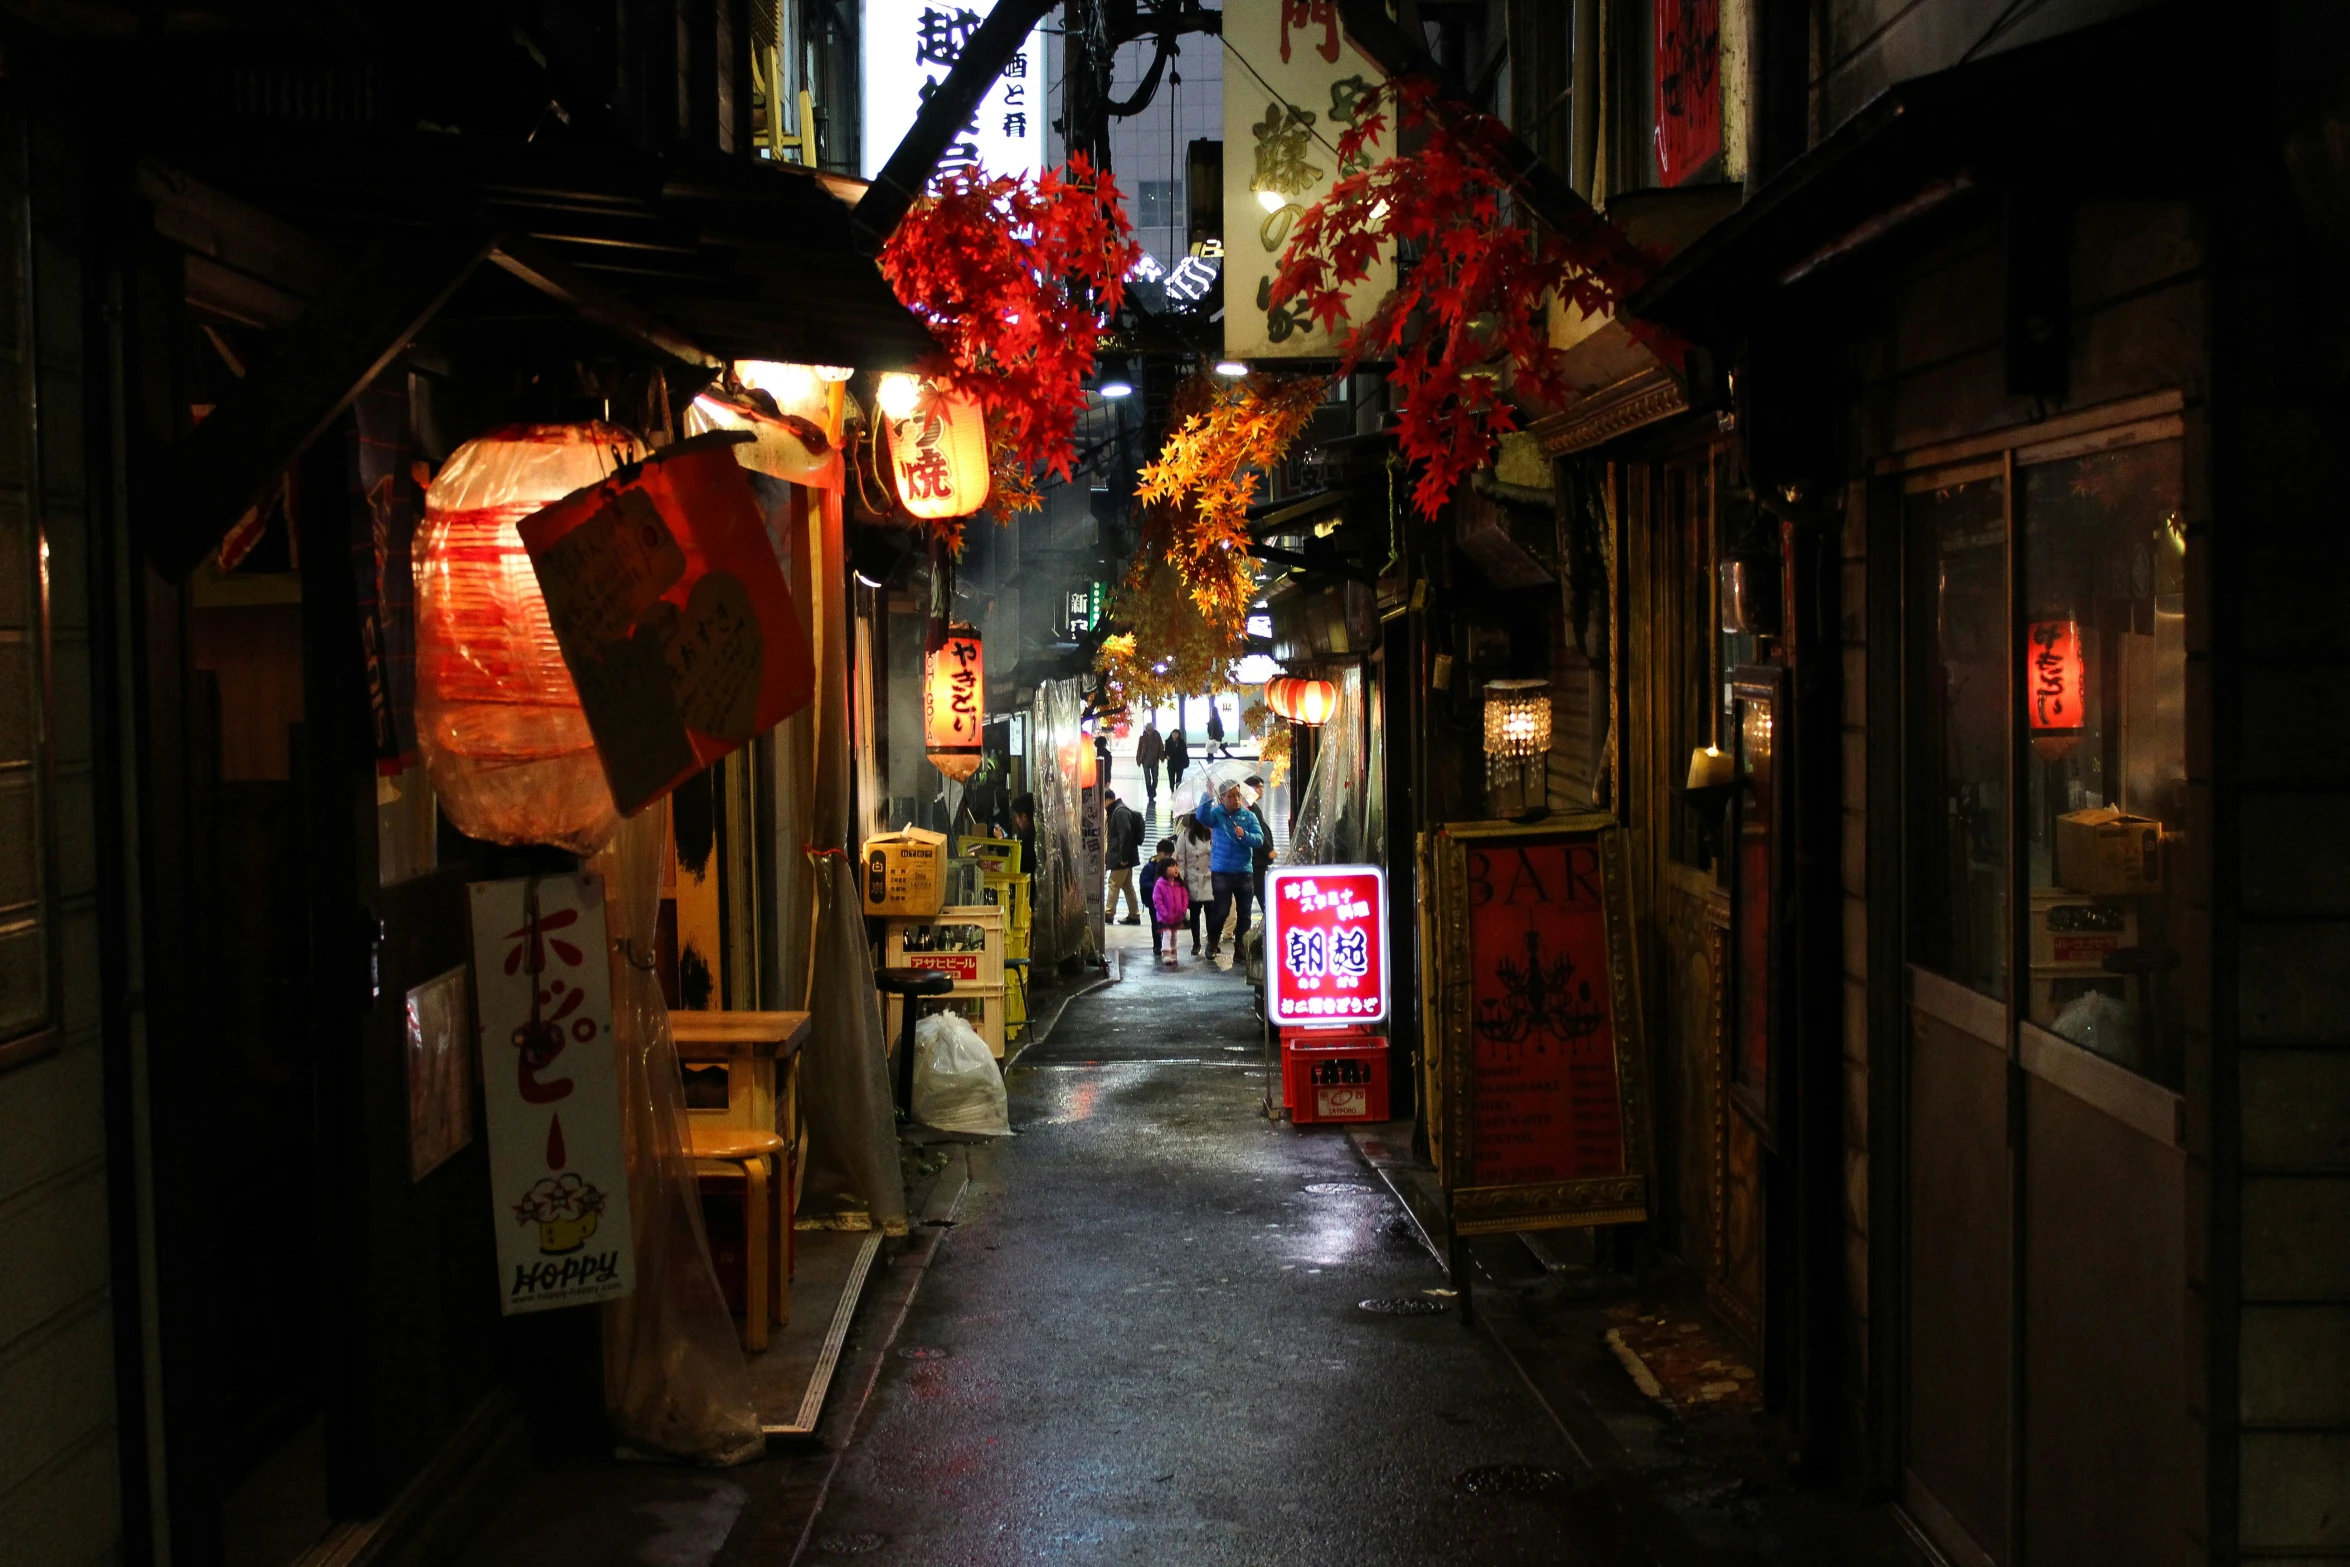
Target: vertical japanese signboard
x=909 y=46
x=1292 y=91
x=1688 y=86
x=551 y=1088
x=1326 y=946
x=1538 y=1026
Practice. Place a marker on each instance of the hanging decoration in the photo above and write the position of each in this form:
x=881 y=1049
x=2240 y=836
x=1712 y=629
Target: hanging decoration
x=1196 y=495
x=2058 y=686
x=497 y=716
x=1016 y=278
x=937 y=449
x=1467 y=326
x=954 y=692
x=1163 y=647
x=1517 y=736
x=1308 y=702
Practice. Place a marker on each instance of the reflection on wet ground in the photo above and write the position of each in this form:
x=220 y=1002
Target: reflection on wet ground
x=1144 y=1341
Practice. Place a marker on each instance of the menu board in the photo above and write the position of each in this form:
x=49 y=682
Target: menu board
x=1326 y=946
x=1546 y=1100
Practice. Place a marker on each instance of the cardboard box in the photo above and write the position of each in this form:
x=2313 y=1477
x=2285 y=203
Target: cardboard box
x=999 y=855
x=2108 y=853
x=905 y=873
x=983 y=1005
x=2073 y=932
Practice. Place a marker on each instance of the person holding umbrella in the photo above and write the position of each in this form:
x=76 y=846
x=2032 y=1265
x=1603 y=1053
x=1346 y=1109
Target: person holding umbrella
x=1234 y=832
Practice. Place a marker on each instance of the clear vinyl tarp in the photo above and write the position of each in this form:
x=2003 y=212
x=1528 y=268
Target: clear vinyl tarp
x=675 y=1384
x=1061 y=928
x=1340 y=814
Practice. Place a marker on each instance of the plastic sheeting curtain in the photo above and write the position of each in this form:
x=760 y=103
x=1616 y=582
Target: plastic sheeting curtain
x=1060 y=928
x=674 y=1379
x=1341 y=816
x=847 y=1139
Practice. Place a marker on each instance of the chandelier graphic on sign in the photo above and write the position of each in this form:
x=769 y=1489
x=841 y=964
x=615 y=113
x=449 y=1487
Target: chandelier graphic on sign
x=1543 y=1000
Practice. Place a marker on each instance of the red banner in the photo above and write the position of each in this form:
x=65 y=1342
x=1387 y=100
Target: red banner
x=1545 y=1103
x=1688 y=86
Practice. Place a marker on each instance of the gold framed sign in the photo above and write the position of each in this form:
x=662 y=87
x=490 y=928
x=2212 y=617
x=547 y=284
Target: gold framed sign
x=1537 y=1047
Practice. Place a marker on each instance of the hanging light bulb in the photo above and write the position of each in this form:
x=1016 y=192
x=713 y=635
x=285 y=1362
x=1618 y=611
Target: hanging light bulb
x=1517 y=740
x=898 y=395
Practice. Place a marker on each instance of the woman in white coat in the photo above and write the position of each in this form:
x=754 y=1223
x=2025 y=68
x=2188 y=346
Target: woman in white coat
x=1193 y=845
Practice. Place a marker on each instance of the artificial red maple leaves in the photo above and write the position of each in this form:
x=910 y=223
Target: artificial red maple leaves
x=1016 y=279
x=1470 y=313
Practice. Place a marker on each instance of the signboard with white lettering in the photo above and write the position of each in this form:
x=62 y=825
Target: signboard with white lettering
x=909 y=46
x=1292 y=85
x=1326 y=946
x=551 y=1088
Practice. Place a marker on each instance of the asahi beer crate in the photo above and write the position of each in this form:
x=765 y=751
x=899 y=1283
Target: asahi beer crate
x=963 y=942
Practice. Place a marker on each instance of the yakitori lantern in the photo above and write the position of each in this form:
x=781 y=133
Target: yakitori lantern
x=954 y=687
x=2056 y=686
x=497 y=717
x=939 y=456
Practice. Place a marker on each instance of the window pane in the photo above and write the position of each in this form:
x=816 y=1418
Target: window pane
x=1957 y=690
x=2105 y=674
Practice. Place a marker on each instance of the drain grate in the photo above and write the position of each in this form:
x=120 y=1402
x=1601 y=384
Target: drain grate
x=1341 y=1189
x=1405 y=1306
x=848 y=1544
x=1511 y=1480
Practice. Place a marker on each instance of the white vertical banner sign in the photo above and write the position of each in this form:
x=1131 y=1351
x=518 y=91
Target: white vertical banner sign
x=1292 y=84
x=909 y=46
x=551 y=1087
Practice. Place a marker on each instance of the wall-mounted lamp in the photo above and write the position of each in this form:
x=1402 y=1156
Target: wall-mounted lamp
x=1517 y=746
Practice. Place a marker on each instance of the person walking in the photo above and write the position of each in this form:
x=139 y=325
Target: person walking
x=1234 y=833
x=1168 y=899
x=1178 y=753
x=1216 y=745
x=1194 y=853
x=1123 y=832
x=1149 y=751
x=1262 y=860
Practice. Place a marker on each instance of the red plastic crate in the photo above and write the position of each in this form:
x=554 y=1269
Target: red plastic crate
x=1334 y=1075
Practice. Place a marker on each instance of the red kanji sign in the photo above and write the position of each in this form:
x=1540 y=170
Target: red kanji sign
x=1326 y=946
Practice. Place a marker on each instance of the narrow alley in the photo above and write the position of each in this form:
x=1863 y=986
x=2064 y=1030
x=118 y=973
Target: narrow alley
x=1145 y=1340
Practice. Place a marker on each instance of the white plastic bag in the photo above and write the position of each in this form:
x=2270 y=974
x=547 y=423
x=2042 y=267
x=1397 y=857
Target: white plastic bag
x=956 y=1085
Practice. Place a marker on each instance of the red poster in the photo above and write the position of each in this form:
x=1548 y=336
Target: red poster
x=1544 y=1104
x=1326 y=946
x=1688 y=86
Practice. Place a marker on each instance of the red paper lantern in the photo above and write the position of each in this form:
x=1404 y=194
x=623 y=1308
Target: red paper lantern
x=497 y=716
x=954 y=702
x=1313 y=702
x=2056 y=686
x=939 y=457
x=1279 y=694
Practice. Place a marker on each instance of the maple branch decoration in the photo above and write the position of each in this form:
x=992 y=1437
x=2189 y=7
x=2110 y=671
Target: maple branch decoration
x=1016 y=279
x=1466 y=323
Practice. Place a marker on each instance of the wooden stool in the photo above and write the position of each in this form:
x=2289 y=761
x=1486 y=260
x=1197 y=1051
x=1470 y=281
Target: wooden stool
x=727 y=1151
x=760 y=1103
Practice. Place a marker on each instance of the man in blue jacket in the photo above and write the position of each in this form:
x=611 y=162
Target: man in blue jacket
x=1234 y=835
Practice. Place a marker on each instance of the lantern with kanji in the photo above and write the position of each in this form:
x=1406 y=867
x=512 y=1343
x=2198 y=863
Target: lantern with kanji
x=938 y=453
x=2056 y=686
x=954 y=688
x=497 y=717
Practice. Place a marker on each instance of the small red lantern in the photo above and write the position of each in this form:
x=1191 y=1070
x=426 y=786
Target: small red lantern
x=1279 y=694
x=1312 y=702
x=497 y=716
x=2056 y=686
x=954 y=702
x=938 y=456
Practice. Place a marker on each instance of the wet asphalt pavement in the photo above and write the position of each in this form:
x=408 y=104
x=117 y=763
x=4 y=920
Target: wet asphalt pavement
x=1142 y=1342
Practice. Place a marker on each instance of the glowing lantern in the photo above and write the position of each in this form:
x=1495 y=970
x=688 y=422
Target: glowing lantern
x=497 y=717
x=1517 y=736
x=939 y=458
x=1308 y=702
x=954 y=688
x=2056 y=686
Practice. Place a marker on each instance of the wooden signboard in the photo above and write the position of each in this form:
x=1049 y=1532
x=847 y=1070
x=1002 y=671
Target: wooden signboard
x=1540 y=1064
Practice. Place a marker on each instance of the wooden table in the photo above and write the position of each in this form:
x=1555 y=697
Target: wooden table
x=751 y=1046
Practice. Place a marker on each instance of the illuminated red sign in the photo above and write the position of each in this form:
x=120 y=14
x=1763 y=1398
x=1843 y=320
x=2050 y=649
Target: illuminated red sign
x=1326 y=946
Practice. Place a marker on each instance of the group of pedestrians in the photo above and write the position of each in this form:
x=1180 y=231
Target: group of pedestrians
x=1215 y=862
